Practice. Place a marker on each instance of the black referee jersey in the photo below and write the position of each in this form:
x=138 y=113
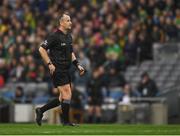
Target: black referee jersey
x=60 y=48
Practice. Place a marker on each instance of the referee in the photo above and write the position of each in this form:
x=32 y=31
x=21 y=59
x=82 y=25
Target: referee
x=57 y=53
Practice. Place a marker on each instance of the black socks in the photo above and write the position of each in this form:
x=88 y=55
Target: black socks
x=54 y=103
x=65 y=105
x=65 y=110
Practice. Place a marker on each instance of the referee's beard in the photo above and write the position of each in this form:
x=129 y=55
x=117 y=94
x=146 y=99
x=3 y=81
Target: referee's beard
x=67 y=30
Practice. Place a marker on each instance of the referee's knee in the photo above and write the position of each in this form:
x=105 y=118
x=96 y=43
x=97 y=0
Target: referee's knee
x=66 y=96
x=65 y=92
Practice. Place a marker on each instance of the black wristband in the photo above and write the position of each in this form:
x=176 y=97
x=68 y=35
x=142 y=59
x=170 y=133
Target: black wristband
x=75 y=63
x=49 y=63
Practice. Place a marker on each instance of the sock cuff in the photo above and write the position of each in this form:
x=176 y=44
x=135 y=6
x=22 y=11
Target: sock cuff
x=66 y=101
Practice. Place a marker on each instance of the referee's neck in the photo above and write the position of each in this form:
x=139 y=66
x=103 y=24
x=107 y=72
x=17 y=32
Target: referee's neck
x=63 y=30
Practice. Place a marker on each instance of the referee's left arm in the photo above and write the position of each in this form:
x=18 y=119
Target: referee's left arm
x=77 y=64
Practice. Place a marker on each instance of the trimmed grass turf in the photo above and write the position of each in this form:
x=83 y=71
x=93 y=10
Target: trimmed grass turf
x=84 y=129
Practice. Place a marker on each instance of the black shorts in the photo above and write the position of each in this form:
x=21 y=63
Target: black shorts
x=61 y=77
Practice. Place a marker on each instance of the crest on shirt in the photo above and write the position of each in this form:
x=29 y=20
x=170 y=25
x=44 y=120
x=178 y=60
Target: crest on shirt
x=63 y=44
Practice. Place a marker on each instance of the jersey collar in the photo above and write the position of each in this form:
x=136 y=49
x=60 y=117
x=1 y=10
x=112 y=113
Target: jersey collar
x=58 y=30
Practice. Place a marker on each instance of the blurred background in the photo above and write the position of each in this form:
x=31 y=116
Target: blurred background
x=130 y=48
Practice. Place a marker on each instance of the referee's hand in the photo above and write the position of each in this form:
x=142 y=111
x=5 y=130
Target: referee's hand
x=52 y=69
x=81 y=70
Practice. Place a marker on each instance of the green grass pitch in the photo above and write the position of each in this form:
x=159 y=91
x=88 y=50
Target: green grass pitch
x=85 y=129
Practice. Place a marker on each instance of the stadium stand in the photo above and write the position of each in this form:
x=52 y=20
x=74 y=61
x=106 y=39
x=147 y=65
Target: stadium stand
x=117 y=34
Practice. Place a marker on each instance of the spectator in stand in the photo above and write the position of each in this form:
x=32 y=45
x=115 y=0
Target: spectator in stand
x=82 y=81
x=3 y=73
x=144 y=47
x=42 y=75
x=115 y=82
x=95 y=97
x=128 y=92
x=130 y=49
x=147 y=87
x=19 y=95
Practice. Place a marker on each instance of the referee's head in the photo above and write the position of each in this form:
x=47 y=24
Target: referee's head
x=65 y=21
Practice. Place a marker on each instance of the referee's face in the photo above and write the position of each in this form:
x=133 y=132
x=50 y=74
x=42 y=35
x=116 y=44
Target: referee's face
x=66 y=22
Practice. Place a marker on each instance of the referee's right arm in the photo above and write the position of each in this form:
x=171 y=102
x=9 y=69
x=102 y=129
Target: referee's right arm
x=46 y=59
x=44 y=55
x=47 y=44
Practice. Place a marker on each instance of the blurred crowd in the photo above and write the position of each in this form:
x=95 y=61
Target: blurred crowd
x=108 y=36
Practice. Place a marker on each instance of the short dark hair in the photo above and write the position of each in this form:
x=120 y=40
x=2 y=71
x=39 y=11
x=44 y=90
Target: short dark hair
x=19 y=88
x=62 y=14
x=144 y=74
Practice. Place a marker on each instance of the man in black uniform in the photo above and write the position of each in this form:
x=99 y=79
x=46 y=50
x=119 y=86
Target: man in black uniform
x=58 y=60
x=147 y=87
x=95 y=96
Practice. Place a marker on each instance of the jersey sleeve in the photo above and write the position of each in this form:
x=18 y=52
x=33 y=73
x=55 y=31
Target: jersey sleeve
x=49 y=42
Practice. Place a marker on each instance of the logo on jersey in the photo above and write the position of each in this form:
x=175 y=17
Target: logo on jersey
x=63 y=44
